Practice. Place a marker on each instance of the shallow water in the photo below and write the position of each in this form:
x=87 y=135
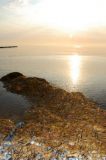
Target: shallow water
x=12 y=105
x=74 y=72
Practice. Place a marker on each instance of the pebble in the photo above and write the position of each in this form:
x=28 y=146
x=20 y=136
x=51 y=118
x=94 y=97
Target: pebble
x=6 y=144
x=48 y=148
x=34 y=138
x=19 y=125
x=37 y=144
x=72 y=158
x=61 y=154
x=9 y=147
x=1 y=136
x=38 y=157
x=9 y=137
x=6 y=156
x=1 y=147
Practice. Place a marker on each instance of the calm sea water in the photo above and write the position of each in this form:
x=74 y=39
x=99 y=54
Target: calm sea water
x=73 y=69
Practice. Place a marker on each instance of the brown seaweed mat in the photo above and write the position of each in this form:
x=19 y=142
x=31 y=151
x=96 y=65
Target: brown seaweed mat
x=59 y=125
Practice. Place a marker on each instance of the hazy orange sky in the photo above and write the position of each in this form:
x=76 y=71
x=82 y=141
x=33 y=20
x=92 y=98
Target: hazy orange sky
x=53 y=22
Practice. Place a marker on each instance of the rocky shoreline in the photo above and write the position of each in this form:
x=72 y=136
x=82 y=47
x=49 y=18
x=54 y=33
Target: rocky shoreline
x=59 y=125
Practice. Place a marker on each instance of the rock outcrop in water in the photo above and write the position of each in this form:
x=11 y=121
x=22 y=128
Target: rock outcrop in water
x=9 y=77
x=8 y=47
x=59 y=125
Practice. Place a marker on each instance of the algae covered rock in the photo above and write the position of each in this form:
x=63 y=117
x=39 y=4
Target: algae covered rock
x=58 y=123
x=11 y=76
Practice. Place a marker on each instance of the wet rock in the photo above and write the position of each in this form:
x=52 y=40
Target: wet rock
x=11 y=135
x=62 y=125
x=6 y=157
x=49 y=148
x=11 y=76
x=35 y=143
x=19 y=125
x=72 y=158
x=33 y=138
x=38 y=156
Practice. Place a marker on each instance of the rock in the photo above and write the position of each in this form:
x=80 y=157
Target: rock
x=6 y=157
x=9 y=137
x=19 y=125
x=33 y=138
x=36 y=143
x=38 y=156
x=72 y=158
x=49 y=148
x=11 y=76
x=62 y=125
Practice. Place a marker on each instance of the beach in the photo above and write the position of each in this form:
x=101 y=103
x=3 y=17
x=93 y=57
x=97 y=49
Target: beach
x=58 y=125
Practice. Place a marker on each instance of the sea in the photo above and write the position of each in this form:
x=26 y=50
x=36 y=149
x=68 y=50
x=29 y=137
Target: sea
x=74 y=69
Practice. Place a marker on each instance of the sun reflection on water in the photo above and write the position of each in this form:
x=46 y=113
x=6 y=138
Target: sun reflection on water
x=75 y=65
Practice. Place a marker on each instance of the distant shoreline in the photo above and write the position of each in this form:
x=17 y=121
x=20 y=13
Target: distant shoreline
x=9 y=47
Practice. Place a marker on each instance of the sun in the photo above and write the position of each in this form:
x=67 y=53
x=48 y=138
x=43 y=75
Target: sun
x=71 y=35
x=77 y=46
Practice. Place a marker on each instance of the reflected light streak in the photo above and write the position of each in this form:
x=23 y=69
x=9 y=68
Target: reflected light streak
x=75 y=64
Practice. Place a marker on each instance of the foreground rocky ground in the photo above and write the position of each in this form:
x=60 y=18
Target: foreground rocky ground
x=59 y=125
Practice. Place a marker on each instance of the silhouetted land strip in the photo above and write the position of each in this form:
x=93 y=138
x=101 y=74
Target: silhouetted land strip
x=59 y=124
x=9 y=47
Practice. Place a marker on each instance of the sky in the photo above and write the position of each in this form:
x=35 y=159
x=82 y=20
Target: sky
x=53 y=22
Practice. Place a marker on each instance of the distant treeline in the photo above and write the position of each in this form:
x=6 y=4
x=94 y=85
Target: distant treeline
x=8 y=46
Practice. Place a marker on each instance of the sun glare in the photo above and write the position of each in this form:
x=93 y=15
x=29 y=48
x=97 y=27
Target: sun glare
x=77 y=46
x=75 y=62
